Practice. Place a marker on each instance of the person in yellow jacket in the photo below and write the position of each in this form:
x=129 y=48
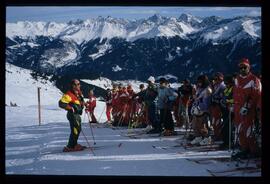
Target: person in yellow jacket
x=72 y=101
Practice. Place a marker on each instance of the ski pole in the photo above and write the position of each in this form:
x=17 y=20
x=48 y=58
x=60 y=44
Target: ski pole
x=102 y=113
x=130 y=117
x=187 y=120
x=236 y=137
x=91 y=128
x=88 y=143
x=86 y=139
x=122 y=116
x=230 y=128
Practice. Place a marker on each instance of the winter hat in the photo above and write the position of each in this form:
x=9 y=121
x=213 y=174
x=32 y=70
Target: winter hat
x=244 y=61
x=151 y=79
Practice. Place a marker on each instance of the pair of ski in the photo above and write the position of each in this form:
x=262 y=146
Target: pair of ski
x=211 y=160
x=61 y=151
x=143 y=134
x=84 y=148
x=208 y=147
x=204 y=148
x=102 y=125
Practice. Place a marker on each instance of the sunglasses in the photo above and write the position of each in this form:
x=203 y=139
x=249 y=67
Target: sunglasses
x=243 y=67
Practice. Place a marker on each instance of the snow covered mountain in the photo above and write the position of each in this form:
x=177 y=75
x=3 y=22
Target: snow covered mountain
x=82 y=31
x=233 y=30
x=120 y=49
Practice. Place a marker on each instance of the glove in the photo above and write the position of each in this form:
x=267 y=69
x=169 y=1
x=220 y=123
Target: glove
x=243 y=111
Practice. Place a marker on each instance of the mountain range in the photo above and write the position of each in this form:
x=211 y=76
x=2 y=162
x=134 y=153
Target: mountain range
x=120 y=49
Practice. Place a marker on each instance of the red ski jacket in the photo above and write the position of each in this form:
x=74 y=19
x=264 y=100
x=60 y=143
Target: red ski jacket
x=246 y=93
x=91 y=104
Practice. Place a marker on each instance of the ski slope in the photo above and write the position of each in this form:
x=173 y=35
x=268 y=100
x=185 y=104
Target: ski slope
x=31 y=149
x=37 y=150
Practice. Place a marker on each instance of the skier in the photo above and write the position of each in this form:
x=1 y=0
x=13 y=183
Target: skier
x=215 y=106
x=247 y=95
x=200 y=111
x=149 y=96
x=131 y=104
x=108 y=100
x=141 y=111
x=90 y=106
x=182 y=103
x=72 y=101
x=166 y=98
x=122 y=106
x=115 y=102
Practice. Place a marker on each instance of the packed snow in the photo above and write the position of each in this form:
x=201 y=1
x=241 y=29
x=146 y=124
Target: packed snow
x=33 y=149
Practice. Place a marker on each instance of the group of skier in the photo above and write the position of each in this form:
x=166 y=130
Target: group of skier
x=226 y=109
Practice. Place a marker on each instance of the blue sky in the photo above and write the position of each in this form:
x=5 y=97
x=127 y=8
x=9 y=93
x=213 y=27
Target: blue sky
x=65 y=14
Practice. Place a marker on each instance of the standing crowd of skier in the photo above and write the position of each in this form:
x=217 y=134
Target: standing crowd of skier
x=225 y=108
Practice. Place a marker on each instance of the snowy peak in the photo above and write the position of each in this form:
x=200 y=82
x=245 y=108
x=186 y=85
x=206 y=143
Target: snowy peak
x=233 y=30
x=81 y=31
x=188 y=18
x=156 y=19
x=28 y=29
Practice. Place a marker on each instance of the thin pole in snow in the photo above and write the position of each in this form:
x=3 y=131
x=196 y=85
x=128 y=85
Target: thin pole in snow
x=39 y=111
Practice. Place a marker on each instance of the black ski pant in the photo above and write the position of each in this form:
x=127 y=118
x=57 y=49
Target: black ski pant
x=75 y=128
x=166 y=119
